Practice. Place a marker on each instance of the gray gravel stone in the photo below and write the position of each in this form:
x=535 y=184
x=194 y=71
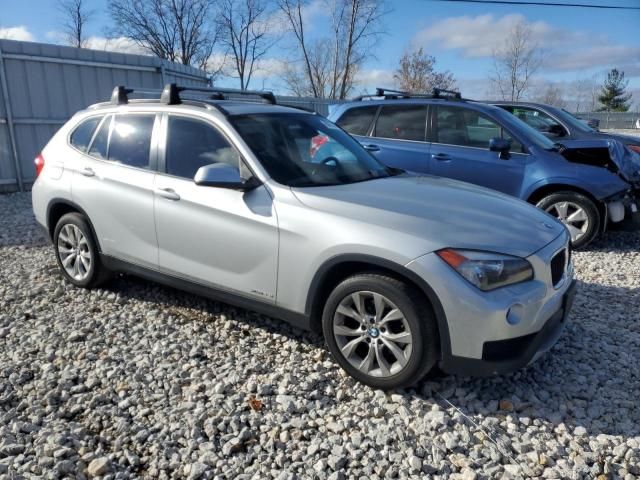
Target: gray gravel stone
x=157 y=383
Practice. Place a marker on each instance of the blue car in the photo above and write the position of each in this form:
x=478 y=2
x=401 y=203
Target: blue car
x=584 y=183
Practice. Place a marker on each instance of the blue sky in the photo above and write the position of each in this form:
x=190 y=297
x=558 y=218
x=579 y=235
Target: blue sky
x=580 y=42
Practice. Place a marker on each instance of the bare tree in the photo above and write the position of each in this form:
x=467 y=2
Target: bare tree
x=329 y=65
x=246 y=34
x=176 y=30
x=551 y=94
x=75 y=17
x=515 y=62
x=416 y=73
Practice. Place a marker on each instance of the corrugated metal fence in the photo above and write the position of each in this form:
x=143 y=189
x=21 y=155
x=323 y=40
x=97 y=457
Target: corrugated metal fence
x=43 y=85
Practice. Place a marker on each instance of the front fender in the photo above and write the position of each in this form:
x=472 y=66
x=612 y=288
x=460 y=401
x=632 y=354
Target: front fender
x=606 y=185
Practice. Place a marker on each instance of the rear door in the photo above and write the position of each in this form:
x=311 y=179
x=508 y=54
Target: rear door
x=399 y=137
x=214 y=236
x=113 y=183
x=460 y=150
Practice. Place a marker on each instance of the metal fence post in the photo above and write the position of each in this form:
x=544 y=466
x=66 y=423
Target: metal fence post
x=4 y=86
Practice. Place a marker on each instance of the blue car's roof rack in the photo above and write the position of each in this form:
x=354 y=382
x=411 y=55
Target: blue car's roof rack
x=390 y=94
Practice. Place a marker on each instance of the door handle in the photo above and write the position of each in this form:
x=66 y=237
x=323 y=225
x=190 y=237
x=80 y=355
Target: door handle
x=372 y=148
x=168 y=193
x=443 y=157
x=87 y=172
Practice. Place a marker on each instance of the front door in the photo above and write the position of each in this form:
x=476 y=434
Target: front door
x=214 y=236
x=460 y=150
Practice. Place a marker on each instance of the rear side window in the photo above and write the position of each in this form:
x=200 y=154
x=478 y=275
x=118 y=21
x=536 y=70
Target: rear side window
x=192 y=144
x=100 y=142
x=469 y=128
x=357 y=121
x=130 y=140
x=402 y=122
x=81 y=136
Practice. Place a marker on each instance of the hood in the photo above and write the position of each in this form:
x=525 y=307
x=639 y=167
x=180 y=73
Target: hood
x=626 y=139
x=445 y=212
x=608 y=153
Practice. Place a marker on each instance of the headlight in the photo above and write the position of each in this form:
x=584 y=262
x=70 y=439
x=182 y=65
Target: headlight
x=487 y=270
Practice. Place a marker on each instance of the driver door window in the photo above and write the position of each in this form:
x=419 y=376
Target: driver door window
x=192 y=144
x=469 y=128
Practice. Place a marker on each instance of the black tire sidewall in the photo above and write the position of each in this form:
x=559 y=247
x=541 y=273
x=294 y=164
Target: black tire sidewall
x=79 y=221
x=586 y=204
x=417 y=313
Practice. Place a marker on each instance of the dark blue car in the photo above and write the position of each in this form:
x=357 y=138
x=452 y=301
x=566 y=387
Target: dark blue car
x=559 y=125
x=584 y=183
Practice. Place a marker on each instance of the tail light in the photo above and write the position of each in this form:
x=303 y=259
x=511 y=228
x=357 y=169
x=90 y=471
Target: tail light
x=635 y=148
x=39 y=162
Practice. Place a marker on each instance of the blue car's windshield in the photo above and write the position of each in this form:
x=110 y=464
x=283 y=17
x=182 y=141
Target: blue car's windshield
x=573 y=122
x=526 y=131
x=303 y=150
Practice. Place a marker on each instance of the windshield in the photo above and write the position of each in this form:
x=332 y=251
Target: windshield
x=573 y=122
x=526 y=131
x=303 y=150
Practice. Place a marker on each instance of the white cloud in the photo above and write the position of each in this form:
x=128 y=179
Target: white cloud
x=375 y=77
x=477 y=37
x=17 y=33
x=118 y=44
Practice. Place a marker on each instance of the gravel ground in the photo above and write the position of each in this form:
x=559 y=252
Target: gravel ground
x=139 y=380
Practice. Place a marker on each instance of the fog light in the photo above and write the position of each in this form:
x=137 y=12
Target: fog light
x=514 y=314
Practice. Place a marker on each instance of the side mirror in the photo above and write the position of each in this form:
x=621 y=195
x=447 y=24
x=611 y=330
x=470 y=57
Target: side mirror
x=500 y=145
x=223 y=175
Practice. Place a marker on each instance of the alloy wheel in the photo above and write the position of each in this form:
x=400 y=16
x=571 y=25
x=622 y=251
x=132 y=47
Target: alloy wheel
x=372 y=334
x=74 y=252
x=573 y=216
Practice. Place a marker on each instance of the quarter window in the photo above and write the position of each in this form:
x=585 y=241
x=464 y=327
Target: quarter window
x=403 y=122
x=469 y=128
x=81 y=136
x=130 y=140
x=357 y=121
x=192 y=144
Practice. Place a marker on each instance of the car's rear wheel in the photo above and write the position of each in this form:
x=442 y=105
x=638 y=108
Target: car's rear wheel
x=578 y=212
x=77 y=253
x=380 y=330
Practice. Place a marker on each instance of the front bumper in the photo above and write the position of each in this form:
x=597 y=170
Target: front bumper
x=504 y=356
x=483 y=333
x=623 y=209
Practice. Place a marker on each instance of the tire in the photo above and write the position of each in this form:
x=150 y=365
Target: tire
x=352 y=344
x=77 y=252
x=586 y=222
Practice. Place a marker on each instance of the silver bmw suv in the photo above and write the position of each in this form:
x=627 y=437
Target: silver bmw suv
x=280 y=211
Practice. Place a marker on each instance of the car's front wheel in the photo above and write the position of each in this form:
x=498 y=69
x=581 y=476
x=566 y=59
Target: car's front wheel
x=578 y=212
x=380 y=330
x=77 y=253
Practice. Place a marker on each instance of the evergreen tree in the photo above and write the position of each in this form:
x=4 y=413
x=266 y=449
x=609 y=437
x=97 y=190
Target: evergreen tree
x=613 y=97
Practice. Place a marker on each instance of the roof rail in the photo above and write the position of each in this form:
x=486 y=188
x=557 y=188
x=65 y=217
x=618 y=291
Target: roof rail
x=171 y=93
x=391 y=94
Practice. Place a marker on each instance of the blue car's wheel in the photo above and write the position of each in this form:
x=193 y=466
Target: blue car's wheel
x=578 y=212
